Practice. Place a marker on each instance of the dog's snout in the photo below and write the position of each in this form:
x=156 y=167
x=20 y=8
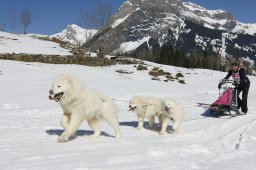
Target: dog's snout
x=51 y=91
x=167 y=108
x=130 y=106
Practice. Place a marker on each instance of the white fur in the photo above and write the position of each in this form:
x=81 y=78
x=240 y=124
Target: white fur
x=79 y=103
x=172 y=111
x=146 y=106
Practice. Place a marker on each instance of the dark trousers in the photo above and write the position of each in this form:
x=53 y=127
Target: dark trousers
x=243 y=103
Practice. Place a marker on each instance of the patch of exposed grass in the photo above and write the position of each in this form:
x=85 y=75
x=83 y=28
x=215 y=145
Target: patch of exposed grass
x=123 y=71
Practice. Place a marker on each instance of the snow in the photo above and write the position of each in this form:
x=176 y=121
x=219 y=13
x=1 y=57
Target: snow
x=13 y=43
x=201 y=41
x=248 y=60
x=119 y=21
x=131 y=45
x=29 y=122
x=194 y=7
x=214 y=21
x=246 y=28
x=223 y=45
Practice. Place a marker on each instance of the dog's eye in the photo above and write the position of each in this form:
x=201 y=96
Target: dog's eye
x=59 y=86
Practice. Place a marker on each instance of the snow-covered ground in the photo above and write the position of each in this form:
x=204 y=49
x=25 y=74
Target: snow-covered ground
x=15 y=43
x=29 y=123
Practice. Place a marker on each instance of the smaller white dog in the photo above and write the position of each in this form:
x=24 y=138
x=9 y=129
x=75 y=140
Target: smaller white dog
x=146 y=106
x=172 y=111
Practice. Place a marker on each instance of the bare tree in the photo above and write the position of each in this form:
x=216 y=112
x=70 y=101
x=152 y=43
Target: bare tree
x=103 y=12
x=2 y=26
x=13 y=21
x=98 y=16
x=88 y=19
x=25 y=19
x=89 y=22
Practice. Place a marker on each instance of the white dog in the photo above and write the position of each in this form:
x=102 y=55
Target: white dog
x=78 y=103
x=146 y=106
x=172 y=111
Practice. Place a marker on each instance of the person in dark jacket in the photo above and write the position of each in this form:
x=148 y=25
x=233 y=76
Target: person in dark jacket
x=242 y=84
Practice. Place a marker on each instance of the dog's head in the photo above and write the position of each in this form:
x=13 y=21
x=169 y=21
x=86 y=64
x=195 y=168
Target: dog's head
x=167 y=106
x=62 y=88
x=134 y=104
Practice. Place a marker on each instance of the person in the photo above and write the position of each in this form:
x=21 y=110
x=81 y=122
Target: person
x=242 y=84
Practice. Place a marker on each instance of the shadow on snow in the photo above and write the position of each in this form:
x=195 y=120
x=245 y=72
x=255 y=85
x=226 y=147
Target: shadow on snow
x=156 y=127
x=58 y=132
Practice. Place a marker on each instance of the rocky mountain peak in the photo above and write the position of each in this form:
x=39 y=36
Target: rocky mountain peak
x=148 y=7
x=139 y=25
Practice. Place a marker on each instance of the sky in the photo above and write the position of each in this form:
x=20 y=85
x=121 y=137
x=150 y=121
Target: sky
x=52 y=16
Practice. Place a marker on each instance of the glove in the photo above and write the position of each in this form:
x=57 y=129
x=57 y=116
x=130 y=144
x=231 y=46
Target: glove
x=219 y=85
x=221 y=82
x=236 y=84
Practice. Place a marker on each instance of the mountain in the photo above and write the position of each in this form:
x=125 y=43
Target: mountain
x=140 y=25
x=75 y=34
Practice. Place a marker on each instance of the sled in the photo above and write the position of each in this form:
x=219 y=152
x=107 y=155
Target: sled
x=226 y=104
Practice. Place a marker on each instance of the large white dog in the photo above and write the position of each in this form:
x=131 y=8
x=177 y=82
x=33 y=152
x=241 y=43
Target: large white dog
x=78 y=103
x=146 y=106
x=172 y=111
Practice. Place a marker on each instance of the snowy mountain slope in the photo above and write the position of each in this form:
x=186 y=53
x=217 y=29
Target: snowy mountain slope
x=29 y=122
x=184 y=25
x=28 y=44
x=75 y=35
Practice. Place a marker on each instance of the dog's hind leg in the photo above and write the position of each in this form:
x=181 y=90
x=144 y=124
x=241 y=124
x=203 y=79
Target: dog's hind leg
x=151 y=121
x=176 y=126
x=114 y=123
x=160 y=119
x=94 y=124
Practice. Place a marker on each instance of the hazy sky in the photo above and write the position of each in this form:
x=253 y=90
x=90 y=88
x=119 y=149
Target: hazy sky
x=52 y=16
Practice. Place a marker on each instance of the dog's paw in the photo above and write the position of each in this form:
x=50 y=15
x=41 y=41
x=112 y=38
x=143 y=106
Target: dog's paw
x=95 y=135
x=118 y=137
x=62 y=138
x=176 y=132
x=140 y=128
x=162 y=133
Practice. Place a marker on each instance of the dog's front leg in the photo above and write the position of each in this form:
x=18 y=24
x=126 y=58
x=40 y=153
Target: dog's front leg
x=165 y=123
x=65 y=120
x=75 y=121
x=140 y=123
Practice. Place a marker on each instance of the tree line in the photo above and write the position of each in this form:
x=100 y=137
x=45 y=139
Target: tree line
x=167 y=54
